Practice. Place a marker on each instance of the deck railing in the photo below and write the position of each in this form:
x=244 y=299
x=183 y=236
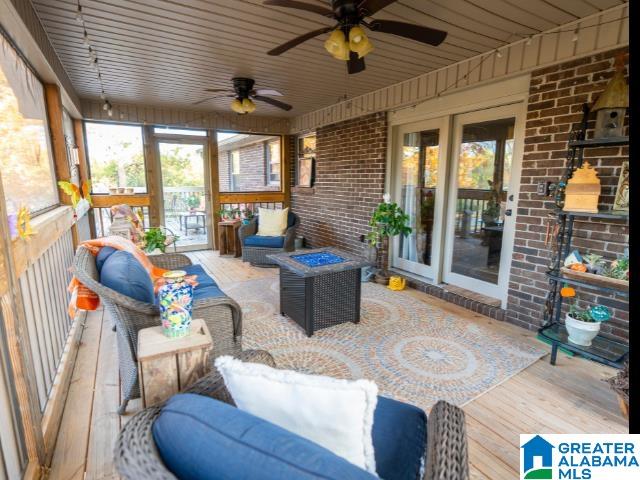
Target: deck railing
x=45 y=298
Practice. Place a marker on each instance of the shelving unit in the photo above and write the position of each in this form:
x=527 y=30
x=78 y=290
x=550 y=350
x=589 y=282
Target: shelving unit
x=602 y=349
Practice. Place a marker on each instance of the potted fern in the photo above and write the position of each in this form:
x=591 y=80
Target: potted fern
x=388 y=220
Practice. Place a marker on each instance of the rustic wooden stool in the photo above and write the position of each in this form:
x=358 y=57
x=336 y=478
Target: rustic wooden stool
x=229 y=241
x=169 y=365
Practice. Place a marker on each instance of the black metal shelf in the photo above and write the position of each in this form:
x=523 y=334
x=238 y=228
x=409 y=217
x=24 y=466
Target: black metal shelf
x=557 y=276
x=599 y=142
x=604 y=214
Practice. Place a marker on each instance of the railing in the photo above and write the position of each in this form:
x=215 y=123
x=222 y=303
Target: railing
x=250 y=206
x=469 y=207
x=45 y=298
x=102 y=218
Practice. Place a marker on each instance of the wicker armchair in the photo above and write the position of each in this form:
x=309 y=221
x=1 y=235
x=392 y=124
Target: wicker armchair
x=222 y=315
x=257 y=256
x=136 y=456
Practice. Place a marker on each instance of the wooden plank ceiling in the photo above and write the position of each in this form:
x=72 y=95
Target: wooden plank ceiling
x=165 y=52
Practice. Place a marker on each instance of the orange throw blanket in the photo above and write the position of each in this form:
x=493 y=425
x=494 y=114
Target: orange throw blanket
x=85 y=299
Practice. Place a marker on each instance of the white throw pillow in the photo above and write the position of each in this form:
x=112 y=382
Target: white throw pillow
x=334 y=413
x=272 y=223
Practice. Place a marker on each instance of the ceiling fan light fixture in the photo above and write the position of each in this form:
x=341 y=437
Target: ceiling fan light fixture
x=337 y=45
x=359 y=42
x=248 y=106
x=236 y=106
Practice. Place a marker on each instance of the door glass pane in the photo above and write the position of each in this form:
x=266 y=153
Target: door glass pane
x=483 y=176
x=419 y=177
x=183 y=187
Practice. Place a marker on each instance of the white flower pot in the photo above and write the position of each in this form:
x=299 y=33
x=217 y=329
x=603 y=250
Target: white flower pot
x=581 y=333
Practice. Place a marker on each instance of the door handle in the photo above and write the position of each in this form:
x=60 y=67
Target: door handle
x=508 y=212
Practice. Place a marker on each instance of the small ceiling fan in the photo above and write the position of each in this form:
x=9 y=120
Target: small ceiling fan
x=348 y=40
x=243 y=95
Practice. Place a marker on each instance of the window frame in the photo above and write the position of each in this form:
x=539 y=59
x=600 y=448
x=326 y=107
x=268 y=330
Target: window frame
x=268 y=182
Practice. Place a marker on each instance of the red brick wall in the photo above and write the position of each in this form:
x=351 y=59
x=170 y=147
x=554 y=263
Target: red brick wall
x=252 y=170
x=350 y=169
x=555 y=104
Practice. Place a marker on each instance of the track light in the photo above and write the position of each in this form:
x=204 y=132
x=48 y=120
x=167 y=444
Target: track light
x=359 y=42
x=337 y=45
x=105 y=105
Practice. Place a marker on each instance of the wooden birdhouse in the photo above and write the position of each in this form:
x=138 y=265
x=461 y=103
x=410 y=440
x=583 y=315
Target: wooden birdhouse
x=612 y=104
x=583 y=190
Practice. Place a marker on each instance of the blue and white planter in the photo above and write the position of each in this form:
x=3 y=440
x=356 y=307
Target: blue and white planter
x=175 y=300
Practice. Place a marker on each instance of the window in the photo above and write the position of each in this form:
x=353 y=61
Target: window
x=272 y=156
x=249 y=162
x=116 y=158
x=306 y=160
x=179 y=131
x=26 y=164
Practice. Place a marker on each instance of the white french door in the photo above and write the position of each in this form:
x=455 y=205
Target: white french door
x=459 y=187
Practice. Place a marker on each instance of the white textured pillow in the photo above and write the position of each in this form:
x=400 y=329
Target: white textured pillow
x=272 y=223
x=336 y=414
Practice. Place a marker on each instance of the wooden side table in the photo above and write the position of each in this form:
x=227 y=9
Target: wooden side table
x=229 y=241
x=168 y=365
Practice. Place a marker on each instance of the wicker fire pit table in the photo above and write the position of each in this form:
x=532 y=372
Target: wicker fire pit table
x=319 y=288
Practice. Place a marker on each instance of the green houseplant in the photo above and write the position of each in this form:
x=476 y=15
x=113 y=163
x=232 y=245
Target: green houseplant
x=193 y=202
x=388 y=220
x=155 y=239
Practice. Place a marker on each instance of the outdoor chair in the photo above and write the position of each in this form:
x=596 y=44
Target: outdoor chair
x=137 y=457
x=221 y=314
x=255 y=248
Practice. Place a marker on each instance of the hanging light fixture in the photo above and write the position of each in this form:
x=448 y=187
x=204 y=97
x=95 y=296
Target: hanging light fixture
x=359 y=42
x=248 y=106
x=337 y=45
x=236 y=106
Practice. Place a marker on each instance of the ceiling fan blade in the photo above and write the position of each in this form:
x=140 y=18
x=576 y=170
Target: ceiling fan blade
x=217 y=90
x=301 y=6
x=267 y=91
x=414 y=32
x=298 y=40
x=369 y=7
x=355 y=64
x=212 y=98
x=274 y=102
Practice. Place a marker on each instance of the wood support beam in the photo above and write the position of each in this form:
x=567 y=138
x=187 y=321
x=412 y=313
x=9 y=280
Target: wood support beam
x=58 y=143
x=215 y=184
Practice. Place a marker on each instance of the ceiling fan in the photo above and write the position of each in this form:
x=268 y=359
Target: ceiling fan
x=348 y=40
x=243 y=95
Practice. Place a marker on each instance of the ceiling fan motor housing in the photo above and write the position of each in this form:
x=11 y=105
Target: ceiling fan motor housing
x=243 y=86
x=346 y=10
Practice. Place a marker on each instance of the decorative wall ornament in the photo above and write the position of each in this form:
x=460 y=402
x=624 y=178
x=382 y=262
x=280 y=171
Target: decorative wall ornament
x=583 y=190
x=612 y=104
x=23 y=224
x=621 y=202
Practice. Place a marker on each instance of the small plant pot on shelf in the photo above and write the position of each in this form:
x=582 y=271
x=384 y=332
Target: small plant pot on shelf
x=580 y=332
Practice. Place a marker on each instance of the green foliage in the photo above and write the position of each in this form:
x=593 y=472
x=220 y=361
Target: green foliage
x=154 y=238
x=193 y=201
x=388 y=220
x=619 y=269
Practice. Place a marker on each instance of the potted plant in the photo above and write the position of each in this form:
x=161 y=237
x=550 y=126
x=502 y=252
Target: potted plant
x=491 y=213
x=154 y=241
x=583 y=324
x=247 y=214
x=193 y=202
x=388 y=220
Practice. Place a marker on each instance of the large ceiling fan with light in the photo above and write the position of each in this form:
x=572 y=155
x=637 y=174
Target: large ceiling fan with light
x=348 y=40
x=244 y=94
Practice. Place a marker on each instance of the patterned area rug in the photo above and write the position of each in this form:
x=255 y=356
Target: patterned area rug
x=414 y=351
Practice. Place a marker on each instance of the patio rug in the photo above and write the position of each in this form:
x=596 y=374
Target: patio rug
x=414 y=351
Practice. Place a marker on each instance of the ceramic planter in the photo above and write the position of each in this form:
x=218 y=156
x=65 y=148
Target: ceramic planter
x=175 y=300
x=581 y=333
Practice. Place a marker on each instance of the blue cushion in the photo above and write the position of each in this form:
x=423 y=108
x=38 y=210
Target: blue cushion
x=399 y=439
x=103 y=254
x=268 y=242
x=124 y=274
x=201 y=293
x=203 y=278
x=200 y=438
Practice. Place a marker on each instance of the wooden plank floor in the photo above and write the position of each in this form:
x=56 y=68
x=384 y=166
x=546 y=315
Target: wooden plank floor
x=568 y=398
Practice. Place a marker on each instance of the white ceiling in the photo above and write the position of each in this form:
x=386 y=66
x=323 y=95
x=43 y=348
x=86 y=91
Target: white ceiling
x=165 y=52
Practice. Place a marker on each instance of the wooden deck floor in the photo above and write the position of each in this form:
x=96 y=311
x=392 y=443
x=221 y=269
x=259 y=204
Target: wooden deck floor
x=568 y=398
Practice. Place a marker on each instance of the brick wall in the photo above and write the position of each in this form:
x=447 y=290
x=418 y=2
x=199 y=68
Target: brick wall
x=252 y=170
x=350 y=169
x=555 y=103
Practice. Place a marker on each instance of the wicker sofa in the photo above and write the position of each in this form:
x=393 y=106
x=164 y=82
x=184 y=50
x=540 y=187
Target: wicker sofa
x=256 y=252
x=222 y=315
x=136 y=456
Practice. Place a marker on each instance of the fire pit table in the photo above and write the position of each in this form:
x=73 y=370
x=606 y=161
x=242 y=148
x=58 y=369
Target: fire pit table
x=320 y=288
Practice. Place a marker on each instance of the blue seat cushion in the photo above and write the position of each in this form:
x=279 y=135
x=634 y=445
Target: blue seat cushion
x=103 y=254
x=207 y=286
x=124 y=274
x=399 y=439
x=267 y=242
x=200 y=438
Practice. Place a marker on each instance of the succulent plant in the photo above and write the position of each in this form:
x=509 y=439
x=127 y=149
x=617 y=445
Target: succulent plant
x=595 y=263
